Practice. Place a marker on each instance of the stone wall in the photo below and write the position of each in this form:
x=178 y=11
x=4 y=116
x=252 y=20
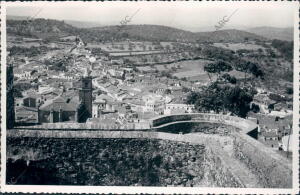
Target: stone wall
x=139 y=162
x=87 y=126
x=243 y=124
x=219 y=171
x=272 y=170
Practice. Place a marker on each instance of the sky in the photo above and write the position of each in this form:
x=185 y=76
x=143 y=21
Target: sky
x=192 y=16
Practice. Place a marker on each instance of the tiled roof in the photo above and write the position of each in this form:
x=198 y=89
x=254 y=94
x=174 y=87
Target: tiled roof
x=58 y=103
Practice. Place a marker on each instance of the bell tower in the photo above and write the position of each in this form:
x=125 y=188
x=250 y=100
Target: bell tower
x=85 y=97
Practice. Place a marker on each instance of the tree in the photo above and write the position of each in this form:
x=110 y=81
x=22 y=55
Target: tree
x=167 y=91
x=289 y=90
x=284 y=47
x=255 y=108
x=185 y=89
x=249 y=67
x=211 y=99
x=226 y=98
x=209 y=68
x=238 y=101
x=255 y=70
x=192 y=97
x=217 y=68
x=228 y=78
x=155 y=59
x=166 y=74
x=144 y=60
x=184 y=79
x=168 y=48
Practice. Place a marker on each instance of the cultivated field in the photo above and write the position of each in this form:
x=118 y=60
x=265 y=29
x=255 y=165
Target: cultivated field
x=124 y=46
x=237 y=46
x=192 y=69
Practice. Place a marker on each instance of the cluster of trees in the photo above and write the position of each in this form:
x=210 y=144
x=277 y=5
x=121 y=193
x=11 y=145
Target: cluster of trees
x=218 y=67
x=240 y=52
x=167 y=74
x=58 y=64
x=227 y=60
x=96 y=51
x=241 y=65
x=249 y=67
x=222 y=98
x=284 y=47
x=28 y=52
x=289 y=90
x=19 y=88
x=224 y=95
x=228 y=78
x=218 y=53
x=41 y=28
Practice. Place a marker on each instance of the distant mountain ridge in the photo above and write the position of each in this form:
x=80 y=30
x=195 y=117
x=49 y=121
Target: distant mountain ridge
x=43 y=28
x=75 y=23
x=285 y=34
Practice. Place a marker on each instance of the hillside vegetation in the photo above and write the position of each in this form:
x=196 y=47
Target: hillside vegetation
x=285 y=34
x=45 y=28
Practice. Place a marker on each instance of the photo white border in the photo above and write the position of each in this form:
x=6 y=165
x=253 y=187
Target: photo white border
x=150 y=190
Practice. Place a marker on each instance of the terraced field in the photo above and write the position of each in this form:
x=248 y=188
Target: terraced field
x=237 y=46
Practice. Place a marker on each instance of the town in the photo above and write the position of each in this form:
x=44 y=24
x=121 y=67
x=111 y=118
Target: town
x=71 y=83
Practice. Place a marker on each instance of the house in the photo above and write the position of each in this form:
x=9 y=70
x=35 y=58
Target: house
x=26 y=115
x=286 y=143
x=117 y=62
x=103 y=104
x=103 y=123
x=154 y=103
x=178 y=108
x=44 y=88
x=68 y=38
x=264 y=103
x=23 y=74
x=49 y=95
x=121 y=95
x=270 y=135
x=120 y=74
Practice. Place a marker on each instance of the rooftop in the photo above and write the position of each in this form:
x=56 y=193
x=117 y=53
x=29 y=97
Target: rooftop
x=59 y=103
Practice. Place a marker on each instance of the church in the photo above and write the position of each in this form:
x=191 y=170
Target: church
x=69 y=109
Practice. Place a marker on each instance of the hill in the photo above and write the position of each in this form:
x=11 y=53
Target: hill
x=230 y=35
x=10 y=17
x=149 y=32
x=40 y=28
x=82 y=24
x=285 y=34
x=74 y=23
x=45 y=28
x=164 y=33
